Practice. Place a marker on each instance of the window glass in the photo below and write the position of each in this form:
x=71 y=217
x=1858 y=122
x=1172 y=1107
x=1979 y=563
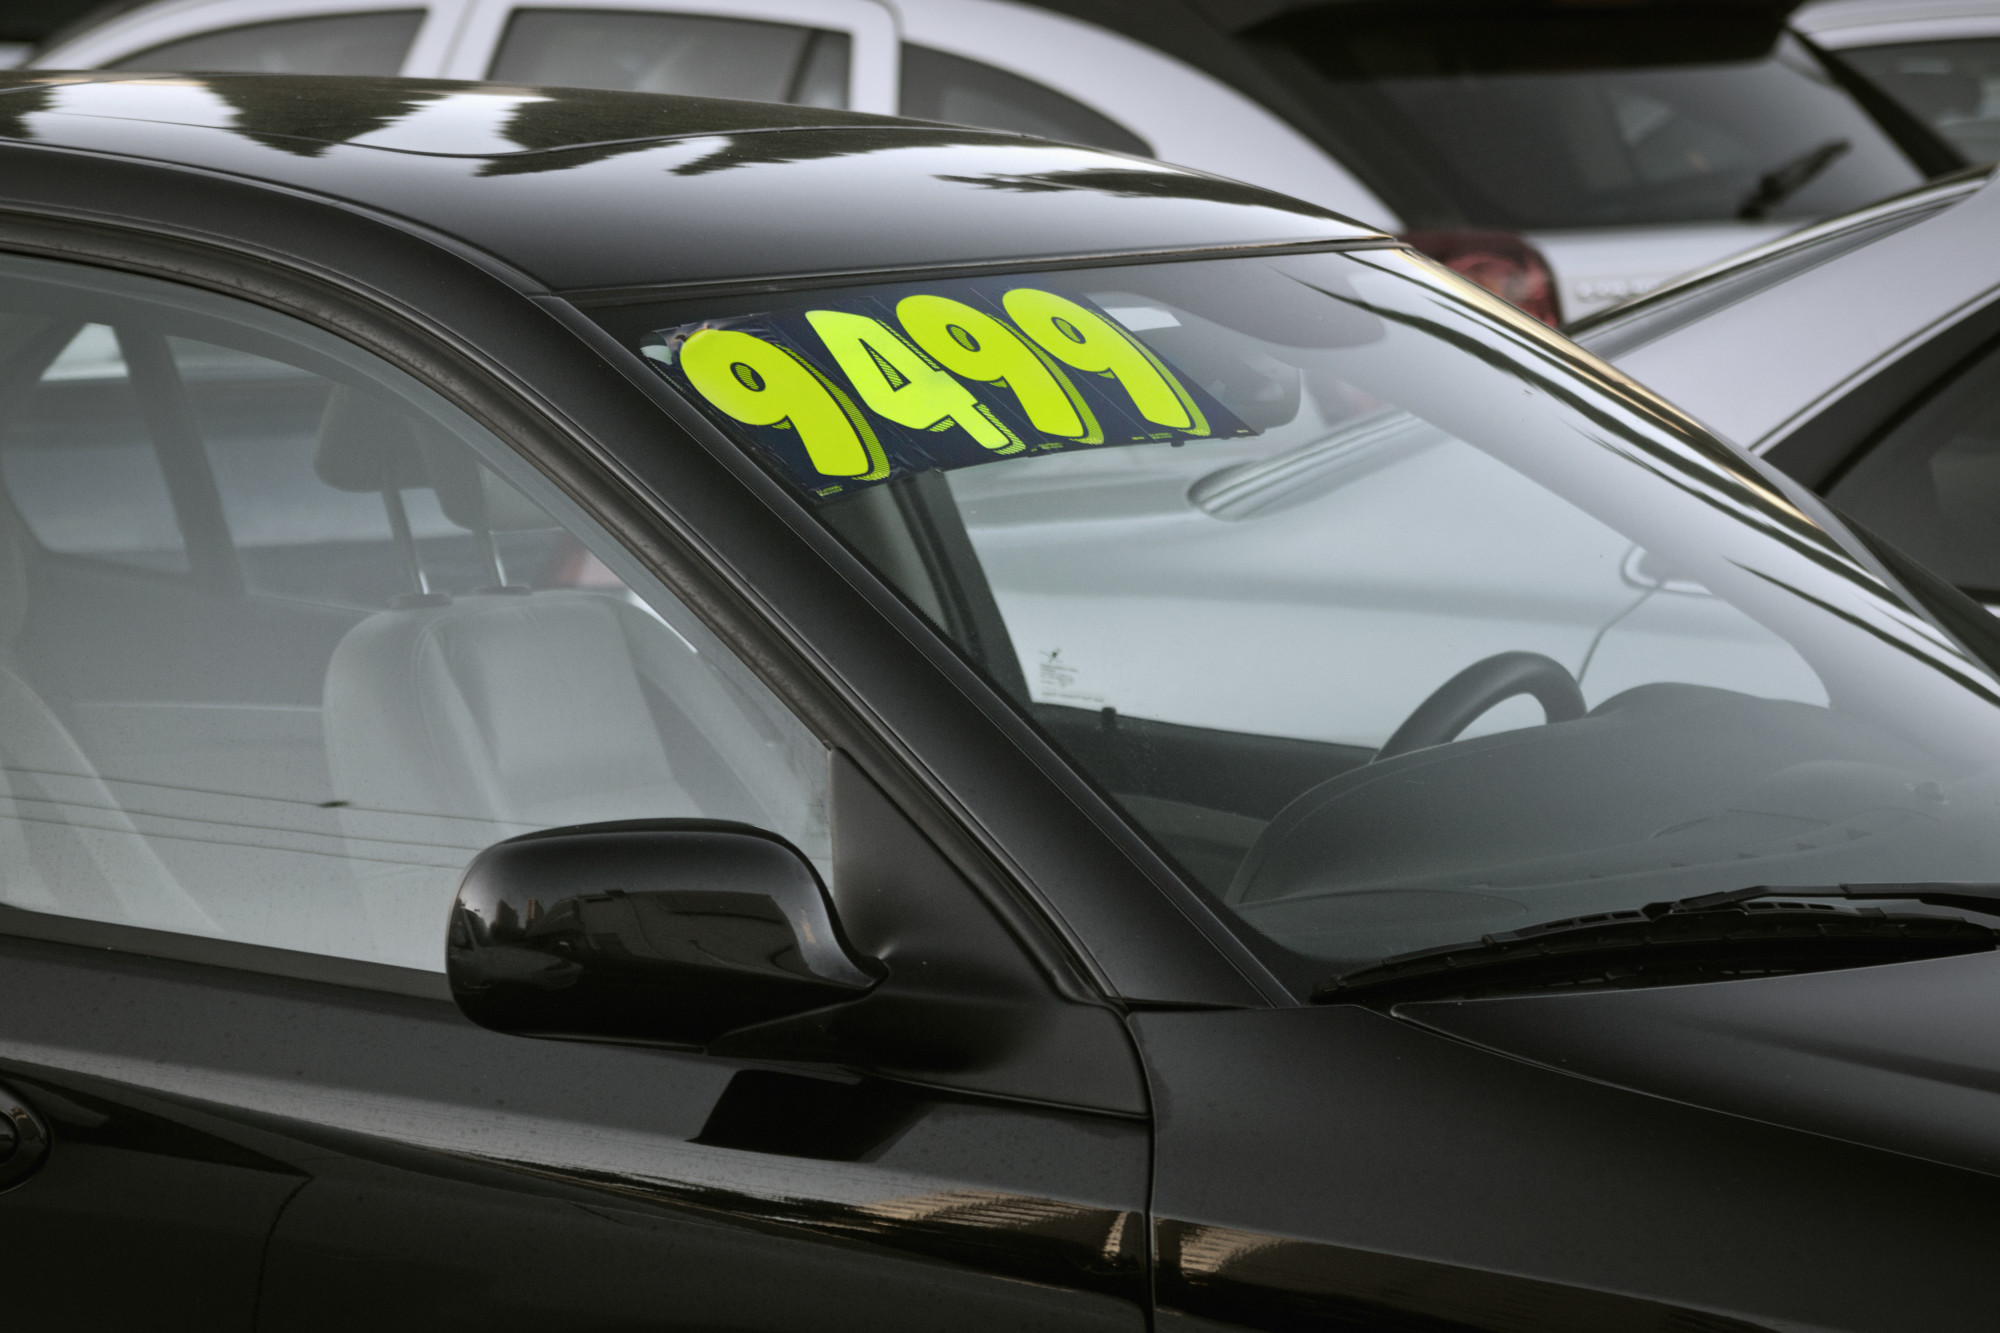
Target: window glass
x=1387 y=618
x=1954 y=87
x=697 y=56
x=1931 y=485
x=400 y=645
x=937 y=86
x=1583 y=116
x=372 y=43
x=79 y=459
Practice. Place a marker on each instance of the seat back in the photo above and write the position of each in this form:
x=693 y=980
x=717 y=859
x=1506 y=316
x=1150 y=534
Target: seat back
x=453 y=720
x=67 y=843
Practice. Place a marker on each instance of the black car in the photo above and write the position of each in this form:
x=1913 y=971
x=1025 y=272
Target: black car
x=624 y=712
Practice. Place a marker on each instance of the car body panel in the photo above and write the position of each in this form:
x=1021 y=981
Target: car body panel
x=404 y=1142
x=1597 y=269
x=1810 y=344
x=862 y=222
x=1398 y=1147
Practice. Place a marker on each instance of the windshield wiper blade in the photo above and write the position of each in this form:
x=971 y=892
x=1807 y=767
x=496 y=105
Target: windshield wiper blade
x=1710 y=937
x=1782 y=182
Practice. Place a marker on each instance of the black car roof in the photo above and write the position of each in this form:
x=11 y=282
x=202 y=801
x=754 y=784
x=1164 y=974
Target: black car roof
x=606 y=191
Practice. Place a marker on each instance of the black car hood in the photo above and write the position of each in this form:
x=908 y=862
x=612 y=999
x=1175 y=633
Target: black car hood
x=1904 y=1057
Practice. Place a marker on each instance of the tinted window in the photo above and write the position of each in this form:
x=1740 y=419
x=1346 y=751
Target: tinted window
x=394 y=642
x=1521 y=118
x=937 y=86
x=1931 y=486
x=1273 y=547
x=335 y=44
x=79 y=458
x=675 y=53
x=1954 y=87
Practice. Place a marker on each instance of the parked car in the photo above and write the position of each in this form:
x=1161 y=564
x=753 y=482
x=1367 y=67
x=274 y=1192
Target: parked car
x=1859 y=357
x=1565 y=156
x=1050 y=849
x=1939 y=59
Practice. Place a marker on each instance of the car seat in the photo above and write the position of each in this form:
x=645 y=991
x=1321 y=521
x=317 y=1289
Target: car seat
x=454 y=720
x=67 y=844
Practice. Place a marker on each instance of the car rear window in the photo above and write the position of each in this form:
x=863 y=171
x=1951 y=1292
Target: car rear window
x=1550 y=118
x=1954 y=87
x=369 y=43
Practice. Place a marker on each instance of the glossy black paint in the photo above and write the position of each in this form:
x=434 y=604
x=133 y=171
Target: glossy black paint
x=1904 y=1058
x=24 y=1139
x=1338 y=1168
x=670 y=931
x=593 y=191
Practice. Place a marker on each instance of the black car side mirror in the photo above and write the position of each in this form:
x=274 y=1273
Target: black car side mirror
x=673 y=931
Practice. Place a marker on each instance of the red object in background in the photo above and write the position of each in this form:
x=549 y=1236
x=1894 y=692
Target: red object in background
x=1499 y=261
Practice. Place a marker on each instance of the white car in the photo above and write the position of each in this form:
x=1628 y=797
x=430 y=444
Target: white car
x=1861 y=358
x=1566 y=157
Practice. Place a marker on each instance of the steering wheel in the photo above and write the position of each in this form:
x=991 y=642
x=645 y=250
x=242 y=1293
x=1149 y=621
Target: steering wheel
x=1460 y=701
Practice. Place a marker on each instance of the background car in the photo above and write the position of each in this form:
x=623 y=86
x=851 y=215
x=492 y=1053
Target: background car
x=1940 y=60
x=1617 y=145
x=1857 y=356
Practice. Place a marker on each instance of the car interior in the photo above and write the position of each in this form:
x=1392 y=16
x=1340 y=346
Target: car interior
x=285 y=652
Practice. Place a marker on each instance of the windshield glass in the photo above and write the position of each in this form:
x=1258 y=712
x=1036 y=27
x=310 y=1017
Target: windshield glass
x=1390 y=619
x=1512 y=117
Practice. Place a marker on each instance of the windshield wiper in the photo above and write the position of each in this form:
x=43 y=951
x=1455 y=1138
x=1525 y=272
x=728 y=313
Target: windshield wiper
x=1782 y=182
x=1711 y=937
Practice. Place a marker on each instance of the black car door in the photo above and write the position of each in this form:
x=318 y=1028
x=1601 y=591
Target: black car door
x=293 y=640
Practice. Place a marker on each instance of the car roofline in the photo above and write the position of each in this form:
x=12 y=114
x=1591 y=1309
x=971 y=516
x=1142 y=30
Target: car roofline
x=1956 y=185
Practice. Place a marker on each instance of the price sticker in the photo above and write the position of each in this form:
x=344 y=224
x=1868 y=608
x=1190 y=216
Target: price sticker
x=854 y=389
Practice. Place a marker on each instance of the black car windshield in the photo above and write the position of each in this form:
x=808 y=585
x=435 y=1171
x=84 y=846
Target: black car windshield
x=1391 y=618
x=1568 y=116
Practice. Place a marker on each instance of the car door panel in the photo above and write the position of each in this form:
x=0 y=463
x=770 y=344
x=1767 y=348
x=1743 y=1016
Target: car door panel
x=178 y=1199
x=1334 y=1164
x=453 y=1177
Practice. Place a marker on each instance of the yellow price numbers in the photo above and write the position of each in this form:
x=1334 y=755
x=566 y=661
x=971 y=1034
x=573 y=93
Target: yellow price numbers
x=974 y=345
x=1084 y=340
x=762 y=384
x=900 y=383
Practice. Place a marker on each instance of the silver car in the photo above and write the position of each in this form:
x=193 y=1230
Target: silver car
x=1860 y=357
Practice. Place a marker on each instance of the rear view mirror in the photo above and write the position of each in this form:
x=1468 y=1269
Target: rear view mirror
x=672 y=931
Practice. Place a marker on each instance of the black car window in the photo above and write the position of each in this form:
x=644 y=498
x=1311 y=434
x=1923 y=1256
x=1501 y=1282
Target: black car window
x=369 y=43
x=694 y=55
x=1954 y=87
x=1931 y=484
x=394 y=643
x=1389 y=619
x=1532 y=117
x=940 y=86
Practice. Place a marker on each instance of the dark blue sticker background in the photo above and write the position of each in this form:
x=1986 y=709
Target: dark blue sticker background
x=911 y=451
